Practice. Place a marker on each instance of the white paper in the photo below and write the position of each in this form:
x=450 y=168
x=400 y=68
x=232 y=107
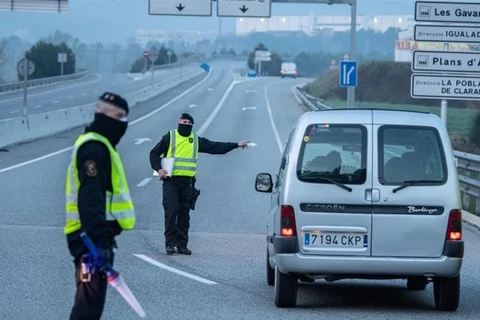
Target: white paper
x=167 y=165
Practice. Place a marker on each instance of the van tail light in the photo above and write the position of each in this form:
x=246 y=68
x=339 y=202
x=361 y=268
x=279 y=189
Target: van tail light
x=287 y=221
x=454 y=228
x=281 y=71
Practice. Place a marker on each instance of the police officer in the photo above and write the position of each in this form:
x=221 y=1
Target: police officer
x=183 y=145
x=98 y=202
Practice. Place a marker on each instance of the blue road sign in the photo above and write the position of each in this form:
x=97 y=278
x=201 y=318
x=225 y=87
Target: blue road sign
x=348 y=74
x=205 y=67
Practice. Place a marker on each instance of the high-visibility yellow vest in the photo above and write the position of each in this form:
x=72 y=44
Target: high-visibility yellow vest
x=119 y=204
x=185 y=152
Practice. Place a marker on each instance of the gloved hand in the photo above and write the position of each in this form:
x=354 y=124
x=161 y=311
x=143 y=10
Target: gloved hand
x=103 y=251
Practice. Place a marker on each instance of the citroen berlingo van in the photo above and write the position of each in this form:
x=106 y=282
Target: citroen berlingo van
x=366 y=194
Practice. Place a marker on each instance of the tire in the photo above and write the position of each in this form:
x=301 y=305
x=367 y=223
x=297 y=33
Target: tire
x=417 y=283
x=270 y=273
x=446 y=292
x=286 y=286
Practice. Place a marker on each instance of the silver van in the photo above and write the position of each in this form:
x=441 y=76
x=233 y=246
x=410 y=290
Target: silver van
x=367 y=194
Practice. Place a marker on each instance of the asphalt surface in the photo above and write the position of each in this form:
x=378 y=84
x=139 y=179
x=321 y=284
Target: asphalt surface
x=75 y=93
x=224 y=278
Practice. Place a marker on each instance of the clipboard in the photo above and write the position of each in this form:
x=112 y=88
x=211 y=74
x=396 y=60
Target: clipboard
x=167 y=164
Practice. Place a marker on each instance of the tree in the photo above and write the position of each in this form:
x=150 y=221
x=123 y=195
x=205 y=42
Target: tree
x=59 y=37
x=45 y=57
x=271 y=67
x=139 y=64
x=115 y=50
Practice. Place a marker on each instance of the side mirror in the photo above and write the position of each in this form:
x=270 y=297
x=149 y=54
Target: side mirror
x=263 y=183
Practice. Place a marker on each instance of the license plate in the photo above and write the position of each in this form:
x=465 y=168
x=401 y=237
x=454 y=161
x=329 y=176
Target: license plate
x=335 y=239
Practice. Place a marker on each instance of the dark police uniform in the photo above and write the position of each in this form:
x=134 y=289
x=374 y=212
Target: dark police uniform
x=94 y=165
x=177 y=192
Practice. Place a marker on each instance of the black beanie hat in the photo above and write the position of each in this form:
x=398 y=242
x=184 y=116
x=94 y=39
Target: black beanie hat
x=114 y=99
x=187 y=116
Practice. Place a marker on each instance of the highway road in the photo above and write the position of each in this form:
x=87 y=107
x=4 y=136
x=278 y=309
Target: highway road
x=224 y=278
x=77 y=92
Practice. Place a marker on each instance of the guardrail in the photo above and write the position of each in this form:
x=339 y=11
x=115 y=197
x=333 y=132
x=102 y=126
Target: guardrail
x=469 y=164
x=20 y=130
x=38 y=82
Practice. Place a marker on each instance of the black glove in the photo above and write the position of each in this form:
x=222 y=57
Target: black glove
x=103 y=251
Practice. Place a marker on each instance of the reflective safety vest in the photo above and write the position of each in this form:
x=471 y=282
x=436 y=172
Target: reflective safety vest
x=119 y=205
x=185 y=152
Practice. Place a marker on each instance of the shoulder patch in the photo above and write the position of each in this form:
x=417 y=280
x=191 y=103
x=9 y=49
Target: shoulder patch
x=91 y=168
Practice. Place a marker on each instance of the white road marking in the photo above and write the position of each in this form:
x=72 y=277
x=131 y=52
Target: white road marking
x=141 y=140
x=36 y=107
x=70 y=98
x=218 y=107
x=131 y=123
x=210 y=89
x=193 y=106
x=56 y=101
x=251 y=91
x=53 y=90
x=274 y=127
x=14 y=111
x=171 y=101
x=179 y=272
x=96 y=91
x=84 y=94
x=249 y=108
x=144 y=182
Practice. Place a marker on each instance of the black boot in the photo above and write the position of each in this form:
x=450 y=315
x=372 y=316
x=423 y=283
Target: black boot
x=171 y=250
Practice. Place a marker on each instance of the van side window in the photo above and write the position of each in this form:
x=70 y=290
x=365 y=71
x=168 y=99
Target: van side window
x=408 y=153
x=333 y=151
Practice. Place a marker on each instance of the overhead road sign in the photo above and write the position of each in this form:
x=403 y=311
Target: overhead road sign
x=431 y=86
x=180 y=7
x=244 y=8
x=446 y=33
x=348 y=73
x=54 y=6
x=446 y=61
x=460 y=12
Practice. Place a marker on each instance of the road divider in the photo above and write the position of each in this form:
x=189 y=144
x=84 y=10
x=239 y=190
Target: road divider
x=20 y=130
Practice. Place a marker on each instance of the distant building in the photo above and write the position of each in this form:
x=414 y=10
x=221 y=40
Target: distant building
x=143 y=36
x=314 y=24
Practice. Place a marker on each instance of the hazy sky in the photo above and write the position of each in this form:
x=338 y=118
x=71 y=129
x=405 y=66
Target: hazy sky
x=115 y=20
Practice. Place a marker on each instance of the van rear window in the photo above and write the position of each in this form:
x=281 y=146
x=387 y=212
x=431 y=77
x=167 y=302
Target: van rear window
x=409 y=153
x=333 y=152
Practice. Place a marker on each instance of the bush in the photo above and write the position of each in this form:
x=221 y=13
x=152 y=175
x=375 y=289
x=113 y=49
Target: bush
x=378 y=81
x=474 y=136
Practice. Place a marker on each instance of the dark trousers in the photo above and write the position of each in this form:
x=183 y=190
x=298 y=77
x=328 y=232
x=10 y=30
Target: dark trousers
x=177 y=198
x=90 y=296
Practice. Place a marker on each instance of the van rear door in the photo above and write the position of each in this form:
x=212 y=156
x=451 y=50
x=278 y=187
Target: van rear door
x=410 y=171
x=332 y=190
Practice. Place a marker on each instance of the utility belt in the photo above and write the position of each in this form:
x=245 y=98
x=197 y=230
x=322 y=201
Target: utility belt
x=191 y=181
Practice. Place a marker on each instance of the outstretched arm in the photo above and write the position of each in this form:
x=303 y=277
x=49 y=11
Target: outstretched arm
x=214 y=147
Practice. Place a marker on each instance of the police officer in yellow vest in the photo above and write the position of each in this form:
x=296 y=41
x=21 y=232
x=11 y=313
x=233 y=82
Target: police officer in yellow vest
x=183 y=145
x=98 y=201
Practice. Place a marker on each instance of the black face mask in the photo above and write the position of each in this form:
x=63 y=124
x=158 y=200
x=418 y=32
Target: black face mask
x=108 y=127
x=184 y=129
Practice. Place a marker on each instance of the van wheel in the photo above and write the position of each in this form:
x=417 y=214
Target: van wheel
x=270 y=273
x=416 y=283
x=285 y=290
x=446 y=292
